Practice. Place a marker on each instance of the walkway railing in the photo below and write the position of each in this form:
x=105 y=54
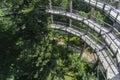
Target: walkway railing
x=105 y=59
x=79 y=14
x=102 y=53
x=104 y=45
x=108 y=9
x=108 y=35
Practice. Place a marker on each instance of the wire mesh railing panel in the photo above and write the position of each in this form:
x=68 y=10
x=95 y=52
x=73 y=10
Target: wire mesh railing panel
x=101 y=28
x=78 y=14
x=107 y=8
x=114 y=45
x=104 y=55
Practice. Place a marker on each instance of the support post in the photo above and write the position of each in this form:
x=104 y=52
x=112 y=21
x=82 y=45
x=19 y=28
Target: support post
x=50 y=7
x=95 y=65
x=70 y=9
x=70 y=21
x=82 y=50
x=91 y=13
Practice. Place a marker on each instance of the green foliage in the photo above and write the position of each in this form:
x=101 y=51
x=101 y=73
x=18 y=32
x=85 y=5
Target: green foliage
x=81 y=7
x=26 y=40
x=68 y=66
x=62 y=3
x=81 y=13
x=28 y=51
x=98 y=17
x=79 y=24
x=1 y=12
x=76 y=64
x=75 y=41
x=80 y=68
x=109 y=1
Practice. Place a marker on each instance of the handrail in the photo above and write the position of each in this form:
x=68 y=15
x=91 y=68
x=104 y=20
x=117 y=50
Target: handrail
x=85 y=33
x=78 y=13
x=81 y=30
x=107 y=26
x=66 y=24
x=104 y=7
x=96 y=46
x=95 y=42
x=93 y=23
x=107 y=36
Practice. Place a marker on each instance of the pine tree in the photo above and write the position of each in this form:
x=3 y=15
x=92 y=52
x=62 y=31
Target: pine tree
x=26 y=41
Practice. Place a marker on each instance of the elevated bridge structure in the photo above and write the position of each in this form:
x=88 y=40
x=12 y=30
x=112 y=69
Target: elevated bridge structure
x=99 y=47
x=106 y=8
x=111 y=63
x=108 y=34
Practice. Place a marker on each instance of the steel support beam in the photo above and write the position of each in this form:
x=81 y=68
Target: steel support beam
x=82 y=50
x=95 y=65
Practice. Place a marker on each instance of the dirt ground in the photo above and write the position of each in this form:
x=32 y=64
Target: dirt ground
x=86 y=54
x=89 y=56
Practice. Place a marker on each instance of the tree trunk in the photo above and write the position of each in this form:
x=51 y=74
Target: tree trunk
x=70 y=21
x=50 y=7
x=91 y=13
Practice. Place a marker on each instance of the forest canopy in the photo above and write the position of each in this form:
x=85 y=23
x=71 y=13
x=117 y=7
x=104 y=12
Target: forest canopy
x=28 y=50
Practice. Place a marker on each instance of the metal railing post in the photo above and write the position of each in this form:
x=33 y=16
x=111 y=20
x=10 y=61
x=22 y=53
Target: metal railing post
x=82 y=51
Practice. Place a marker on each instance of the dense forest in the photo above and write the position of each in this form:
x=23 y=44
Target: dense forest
x=31 y=50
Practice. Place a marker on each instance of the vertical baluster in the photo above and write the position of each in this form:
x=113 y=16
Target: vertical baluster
x=117 y=16
x=104 y=6
x=109 y=11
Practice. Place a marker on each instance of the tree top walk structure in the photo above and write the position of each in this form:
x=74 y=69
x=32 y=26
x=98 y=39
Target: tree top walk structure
x=101 y=51
x=112 y=42
x=111 y=63
x=109 y=36
x=106 y=8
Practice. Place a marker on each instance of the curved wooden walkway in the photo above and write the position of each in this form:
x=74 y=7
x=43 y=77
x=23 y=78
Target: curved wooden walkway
x=106 y=60
x=111 y=39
